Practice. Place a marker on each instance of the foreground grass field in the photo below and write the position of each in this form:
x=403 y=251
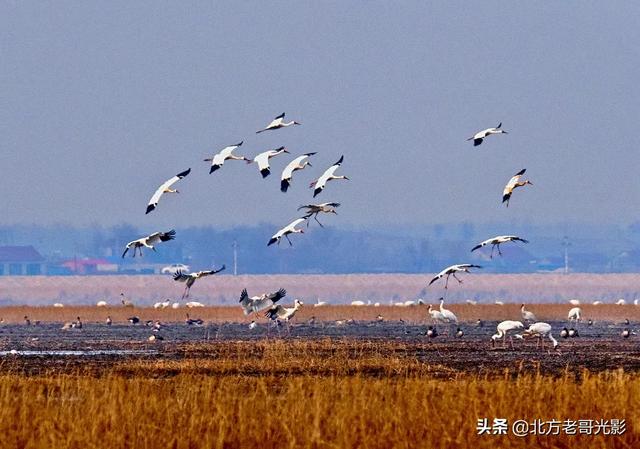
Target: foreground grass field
x=301 y=395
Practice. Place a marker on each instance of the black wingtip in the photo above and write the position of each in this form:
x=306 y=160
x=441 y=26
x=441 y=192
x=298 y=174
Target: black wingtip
x=239 y=144
x=499 y=126
x=521 y=172
x=150 y=207
x=184 y=173
x=213 y=168
x=284 y=185
x=272 y=241
x=476 y=247
x=316 y=192
x=477 y=142
x=280 y=116
x=265 y=172
x=505 y=198
x=310 y=154
x=339 y=160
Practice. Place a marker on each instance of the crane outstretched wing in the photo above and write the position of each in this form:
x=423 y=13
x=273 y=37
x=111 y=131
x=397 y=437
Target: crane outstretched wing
x=155 y=198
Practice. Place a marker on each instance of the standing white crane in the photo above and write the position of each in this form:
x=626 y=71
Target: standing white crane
x=314 y=209
x=278 y=123
x=514 y=183
x=288 y=229
x=329 y=174
x=149 y=241
x=255 y=304
x=575 y=314
x=448 y=315
x=226 y=153
x=480 y=135
x=298 y=163
x=451 y=271
x=280 y=313
x=496 y=241
x=262 y=160
x=503 y=329
x=165 y=188
x=436 y=315
x=191 y=278
x=540 y=330
x=527 y=315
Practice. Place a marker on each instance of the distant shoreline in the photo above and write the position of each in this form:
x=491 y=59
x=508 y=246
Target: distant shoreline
x=338 y=289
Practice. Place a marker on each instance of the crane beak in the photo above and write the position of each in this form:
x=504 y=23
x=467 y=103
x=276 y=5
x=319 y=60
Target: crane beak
x=309 y=164
x=297 y=123
x=285 y=150
x=346 y=178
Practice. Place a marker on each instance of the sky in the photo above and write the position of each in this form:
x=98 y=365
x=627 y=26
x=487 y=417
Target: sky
x=100 y=102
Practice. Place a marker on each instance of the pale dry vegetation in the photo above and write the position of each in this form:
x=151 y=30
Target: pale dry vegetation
x=225 y=289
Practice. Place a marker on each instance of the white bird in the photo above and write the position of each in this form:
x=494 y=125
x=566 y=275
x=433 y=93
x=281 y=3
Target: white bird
x=192 y=304
x=298 y=163
x=149 y=241
x=315 y=209
x=280 y=313
x=278 y=123
x=448 y=315
x=540 y=330
x=288 y=229
x=320 y=303
x=101 y=304
x=503 y=328
x=175 y=305
x=262 y=160
x=635 y=302
x=255 y=304
x=495 y=242
x=226 y=153
x=477 y=137
x=574 y=302
x=471 y=302
x=109 y=321
x=514 y=183
x=329 y=174
x=253 y=324
x=165 y=188
x=526 y=315
x=621 y=302
x=358 y=303
x=191 y=278
x=58 y=305
x=574 y=314
x=451 y=271
x=497 y=302
x=164 y=304
x=597 y=303
x=436 y=315
x=157 y=305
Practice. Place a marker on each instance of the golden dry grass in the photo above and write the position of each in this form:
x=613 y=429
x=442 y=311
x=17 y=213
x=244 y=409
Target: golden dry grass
x=415 y=314
x=301 y=395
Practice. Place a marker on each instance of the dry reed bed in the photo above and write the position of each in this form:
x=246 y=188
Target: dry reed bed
x=414 y=314
x=225 y=289
x=144 y=408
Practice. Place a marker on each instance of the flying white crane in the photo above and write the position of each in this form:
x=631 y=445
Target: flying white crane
x=191 y=278
x=527 y=315
x=278 y=123
x=280 y=313
x=255 y=304
x=503 y=328
x=480 y=135
x=226 y=153
x=165 y=188
x=514 y=183
x=319 y=184
x=451 y=271
x=149 y=242
x=298 y=163
x=540 y=330
x=496 y=241
x=574 y=314
x=262 y=160
x=288 y=229
x=314 y=209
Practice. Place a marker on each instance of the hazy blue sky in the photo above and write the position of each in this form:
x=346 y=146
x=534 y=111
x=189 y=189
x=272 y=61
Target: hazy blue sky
x=102 y=101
